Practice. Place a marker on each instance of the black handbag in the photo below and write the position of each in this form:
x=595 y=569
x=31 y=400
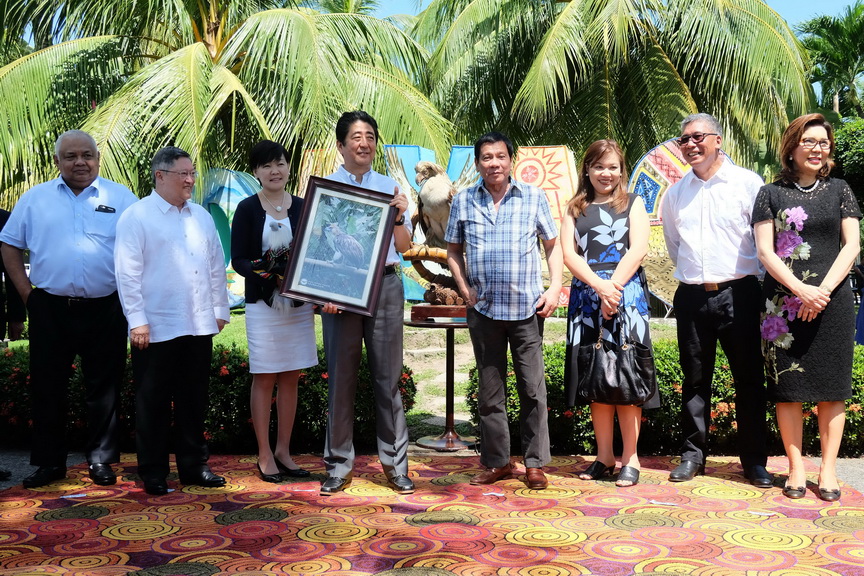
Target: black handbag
x=613 y=373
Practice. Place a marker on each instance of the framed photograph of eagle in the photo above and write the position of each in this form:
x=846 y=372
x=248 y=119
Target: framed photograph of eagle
x=339 y=250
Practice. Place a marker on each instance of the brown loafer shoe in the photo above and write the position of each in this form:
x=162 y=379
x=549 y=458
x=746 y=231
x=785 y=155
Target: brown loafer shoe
x=536 y=479
x=492 y=475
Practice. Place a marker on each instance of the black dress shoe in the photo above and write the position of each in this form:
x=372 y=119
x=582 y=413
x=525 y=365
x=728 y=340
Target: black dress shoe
x=401 y=484
x=291 y=472
x=156 y=487
x=5 y=475
x=686 y=471
x=829 y=495
x=272 y=478
x=334 y=484
x=794 y=492
x=44 y=475
x=102 y=474
x=759 y=476
x=205 y=478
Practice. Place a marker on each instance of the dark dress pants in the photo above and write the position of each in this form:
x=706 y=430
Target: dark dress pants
x=60 y=329
x=172 y=373
x=731 y=316
x=490 y=339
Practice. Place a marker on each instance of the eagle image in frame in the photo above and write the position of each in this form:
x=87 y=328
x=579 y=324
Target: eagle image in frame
x=341 y=245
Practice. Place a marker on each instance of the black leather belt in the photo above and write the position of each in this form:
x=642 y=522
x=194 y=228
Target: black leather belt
x=389 y=269
x=79 y=301
x=718 y=286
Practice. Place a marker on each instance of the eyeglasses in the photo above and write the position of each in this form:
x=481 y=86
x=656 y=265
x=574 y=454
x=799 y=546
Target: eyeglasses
x=812 y=143
x=184 y=174
x=697 y=138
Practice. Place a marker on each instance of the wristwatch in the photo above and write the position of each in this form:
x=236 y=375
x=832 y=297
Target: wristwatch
x=400 y=221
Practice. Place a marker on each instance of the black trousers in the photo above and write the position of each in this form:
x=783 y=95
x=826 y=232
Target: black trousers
x=60 y=329
x=175 y=373
x=730 y=316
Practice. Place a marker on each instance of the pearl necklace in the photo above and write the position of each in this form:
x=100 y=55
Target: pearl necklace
x=808 y=188
x=276 y=208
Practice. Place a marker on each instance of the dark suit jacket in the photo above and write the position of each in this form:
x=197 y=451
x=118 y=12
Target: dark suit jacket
x=11 y=306
x=247 y=230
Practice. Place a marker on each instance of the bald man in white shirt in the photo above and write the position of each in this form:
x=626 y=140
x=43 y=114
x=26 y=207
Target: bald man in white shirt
x=706 y=221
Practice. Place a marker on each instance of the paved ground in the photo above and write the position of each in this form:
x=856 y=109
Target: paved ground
x=851 y=470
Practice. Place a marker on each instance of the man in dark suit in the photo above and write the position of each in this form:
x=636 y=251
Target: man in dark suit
x=12 y=313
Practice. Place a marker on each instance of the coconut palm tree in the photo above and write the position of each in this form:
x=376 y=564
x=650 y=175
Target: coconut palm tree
x=366 y=7
x=836 y=46
x=210 y=76
x=552 y=72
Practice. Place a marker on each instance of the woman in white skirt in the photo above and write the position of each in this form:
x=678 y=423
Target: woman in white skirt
x=280 y=331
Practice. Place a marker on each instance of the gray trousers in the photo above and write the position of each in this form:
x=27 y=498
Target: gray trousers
x=344 y=334
x=490 y=339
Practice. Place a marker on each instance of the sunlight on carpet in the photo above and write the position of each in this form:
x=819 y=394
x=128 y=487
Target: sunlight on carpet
x=716 y=525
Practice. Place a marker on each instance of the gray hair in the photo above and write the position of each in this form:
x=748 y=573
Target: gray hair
x=702 y=117
x=70 y=134
x=166 y=157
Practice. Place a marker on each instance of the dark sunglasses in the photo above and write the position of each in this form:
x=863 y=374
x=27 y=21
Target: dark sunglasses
x=697 y=138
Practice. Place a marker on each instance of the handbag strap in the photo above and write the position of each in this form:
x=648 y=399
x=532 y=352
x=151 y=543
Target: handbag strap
x=616 y=334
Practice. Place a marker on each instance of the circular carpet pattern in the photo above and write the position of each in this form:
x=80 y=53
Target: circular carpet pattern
x=715 y=525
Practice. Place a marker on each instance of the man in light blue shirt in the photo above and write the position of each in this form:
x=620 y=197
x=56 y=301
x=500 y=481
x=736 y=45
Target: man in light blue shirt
x=69 y=224
x=345 y=332
x=492 y=250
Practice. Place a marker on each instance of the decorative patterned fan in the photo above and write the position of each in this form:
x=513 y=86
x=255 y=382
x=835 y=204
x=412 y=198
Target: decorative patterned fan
x=655 y=172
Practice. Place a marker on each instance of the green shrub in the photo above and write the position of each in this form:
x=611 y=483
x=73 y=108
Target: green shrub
x=228 y=426
x=571 y=432
x=849 y=154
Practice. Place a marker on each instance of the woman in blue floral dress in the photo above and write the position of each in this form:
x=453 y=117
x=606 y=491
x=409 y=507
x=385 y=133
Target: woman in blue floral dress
x=806 y=229
x=604 y=236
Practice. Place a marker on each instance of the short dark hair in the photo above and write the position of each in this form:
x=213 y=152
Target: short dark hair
x=166 y=157
x=492 y=138
x=264 y=152
x=348 y=118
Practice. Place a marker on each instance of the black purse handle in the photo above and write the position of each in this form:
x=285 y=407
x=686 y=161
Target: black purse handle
x=616 y=334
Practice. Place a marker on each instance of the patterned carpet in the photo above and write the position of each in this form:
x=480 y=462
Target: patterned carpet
x=714 y=526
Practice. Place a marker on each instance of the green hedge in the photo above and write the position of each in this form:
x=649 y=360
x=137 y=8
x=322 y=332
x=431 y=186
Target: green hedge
x=229 y=425
x=570 y=429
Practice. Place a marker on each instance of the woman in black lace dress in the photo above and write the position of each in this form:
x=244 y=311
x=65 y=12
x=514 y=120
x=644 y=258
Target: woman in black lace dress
x=806 y=228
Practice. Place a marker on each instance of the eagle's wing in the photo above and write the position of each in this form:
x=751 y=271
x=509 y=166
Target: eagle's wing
x=467 y=177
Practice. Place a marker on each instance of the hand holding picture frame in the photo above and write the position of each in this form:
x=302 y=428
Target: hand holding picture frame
x=340 y=247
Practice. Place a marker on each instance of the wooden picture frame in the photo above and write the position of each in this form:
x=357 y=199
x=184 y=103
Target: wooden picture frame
x=340 y=248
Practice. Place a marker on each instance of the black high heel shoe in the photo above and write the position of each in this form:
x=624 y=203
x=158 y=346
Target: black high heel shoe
x=272 y=478
x=596 y=471
x=292 y=472
x=628 y=476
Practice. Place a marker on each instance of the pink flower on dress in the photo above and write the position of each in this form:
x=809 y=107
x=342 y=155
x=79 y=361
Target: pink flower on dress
x=773 y=327
x=796 y=217
x=787 y=241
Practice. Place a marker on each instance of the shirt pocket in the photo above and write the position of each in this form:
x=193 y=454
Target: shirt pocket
x=104 y=224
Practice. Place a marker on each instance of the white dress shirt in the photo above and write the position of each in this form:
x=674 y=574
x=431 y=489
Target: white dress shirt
x=70 y=238
x=707 y=225
x=170 y=269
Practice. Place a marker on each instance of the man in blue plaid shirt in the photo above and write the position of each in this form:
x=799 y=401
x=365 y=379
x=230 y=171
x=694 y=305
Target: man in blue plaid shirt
x=493 y=253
